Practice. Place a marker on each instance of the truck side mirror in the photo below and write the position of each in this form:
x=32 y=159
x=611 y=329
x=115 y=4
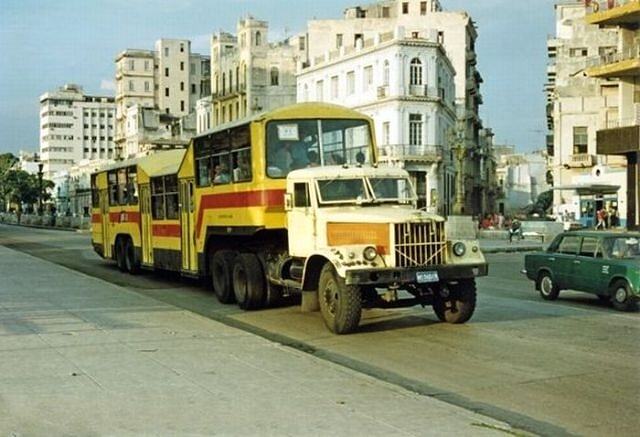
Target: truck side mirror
x=288 y=202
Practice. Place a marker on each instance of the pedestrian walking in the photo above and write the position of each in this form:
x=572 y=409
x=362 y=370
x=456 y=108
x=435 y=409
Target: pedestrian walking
x=600 y=219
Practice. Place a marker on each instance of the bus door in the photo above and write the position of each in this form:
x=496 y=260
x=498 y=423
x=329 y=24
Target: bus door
x=104 y=213
x=187 y=235
x=146 y=227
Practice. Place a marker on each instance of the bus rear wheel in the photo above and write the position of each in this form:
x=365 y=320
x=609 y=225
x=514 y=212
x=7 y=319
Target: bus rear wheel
x=120 y=254
x=249 y=285
x=221 y=265
x=132 y=265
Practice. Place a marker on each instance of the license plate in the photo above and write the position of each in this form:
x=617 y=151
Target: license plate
x=425 y=277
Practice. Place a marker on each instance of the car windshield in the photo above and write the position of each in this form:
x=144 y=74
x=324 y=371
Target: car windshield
x=294 y=144
x=392 y=189
x=622 y=247
x=343 y=191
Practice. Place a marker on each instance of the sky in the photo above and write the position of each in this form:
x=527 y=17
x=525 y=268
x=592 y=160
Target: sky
x=47 y=43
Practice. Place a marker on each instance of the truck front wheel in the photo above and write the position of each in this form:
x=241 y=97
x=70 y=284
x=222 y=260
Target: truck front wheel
x=340 y=304
x=458 y=305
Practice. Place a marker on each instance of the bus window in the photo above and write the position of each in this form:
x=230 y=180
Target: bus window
x=221 y=174
x=293 y=144
x=157 y=198
x=241 y=160
x=122 y=183
x=112 y=183
x=204 y=171
x=171 y=196
x=131 y=190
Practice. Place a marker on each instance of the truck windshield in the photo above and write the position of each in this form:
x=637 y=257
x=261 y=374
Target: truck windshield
x=392 y=190
x=343 y=191
x=294 y=144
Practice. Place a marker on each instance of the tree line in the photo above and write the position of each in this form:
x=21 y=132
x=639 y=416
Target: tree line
x=18 y=187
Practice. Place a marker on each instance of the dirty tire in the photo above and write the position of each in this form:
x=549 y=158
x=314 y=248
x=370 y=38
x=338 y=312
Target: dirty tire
x=547 y=288
x=120 y=254
x=248 y=279
x=132 y=265
x=621 y=297
x=340 y=304
x=460 y=305
x=221 y=267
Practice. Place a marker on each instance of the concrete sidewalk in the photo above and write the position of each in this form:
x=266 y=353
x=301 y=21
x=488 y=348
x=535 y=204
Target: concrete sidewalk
x=80 y=356
x=501 y=246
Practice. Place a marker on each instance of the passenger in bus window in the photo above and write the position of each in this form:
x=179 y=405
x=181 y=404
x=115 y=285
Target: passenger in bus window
x=242 y=171
x=221 y=174
x=312 y=156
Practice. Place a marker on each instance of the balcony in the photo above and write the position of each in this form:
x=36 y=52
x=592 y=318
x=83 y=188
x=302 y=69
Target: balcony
x=615 y=13
x=404 y=152
x=619 y=64
x=226 y=95
x=424 y=91
x=581 y=160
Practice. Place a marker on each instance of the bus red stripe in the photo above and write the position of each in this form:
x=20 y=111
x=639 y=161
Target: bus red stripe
x=166 y=230
x=96 y=218
x=124 y=217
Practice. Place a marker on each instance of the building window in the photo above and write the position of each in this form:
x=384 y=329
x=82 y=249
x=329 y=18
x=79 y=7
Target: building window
x=274 y=76
x=351 y=83
x=182 y=105
x=193 y=88
x=339 y=39
x=258 y=38
x=319 y=90
x=181 y=47
x=181 y=66
x=166 y=51
x=166 y=92
x=385 y=73
x=166 y=72
x=358 y=37
x=181 y=86
x=385 y=12
x=334 y=87
x=580 y=140
x=192 y=68
x=386 y=132
x=146 y=65
x=301 y=43
x=132 y=64
x=131 y=87
x=423 y=8
x=368 y=78
x=415 y=71
x=405 y=7
x=578 y=52
x=146 y=85
x=415 y=129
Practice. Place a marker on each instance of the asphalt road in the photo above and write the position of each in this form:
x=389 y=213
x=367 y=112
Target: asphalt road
x=550 y=368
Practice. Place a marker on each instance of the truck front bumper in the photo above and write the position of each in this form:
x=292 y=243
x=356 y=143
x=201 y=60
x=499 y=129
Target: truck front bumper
x=416 y=275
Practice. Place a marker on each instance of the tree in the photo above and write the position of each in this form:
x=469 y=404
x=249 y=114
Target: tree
x=19 y=187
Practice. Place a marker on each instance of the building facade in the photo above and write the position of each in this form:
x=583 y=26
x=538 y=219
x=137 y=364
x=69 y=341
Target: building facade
x=249 y=75
x=75 y=126
x=579 y=105
x=406 y=84
x=169 y=79
x=454 y=31
x=619 y=137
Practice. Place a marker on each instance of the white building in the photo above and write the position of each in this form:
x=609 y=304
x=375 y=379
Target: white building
x=420 y=19
x=405 y=82
x=579 y=106
x=28 y=161
x=73 y=127
x=249 y=75
x=170 y=79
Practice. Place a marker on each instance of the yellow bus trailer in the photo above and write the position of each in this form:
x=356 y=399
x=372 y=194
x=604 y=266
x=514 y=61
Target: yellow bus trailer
x=287 y=201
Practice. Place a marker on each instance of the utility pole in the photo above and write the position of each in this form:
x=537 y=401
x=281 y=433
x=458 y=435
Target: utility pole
x=40 y=166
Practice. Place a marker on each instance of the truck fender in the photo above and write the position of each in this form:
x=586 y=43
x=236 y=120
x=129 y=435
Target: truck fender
x=312 y=267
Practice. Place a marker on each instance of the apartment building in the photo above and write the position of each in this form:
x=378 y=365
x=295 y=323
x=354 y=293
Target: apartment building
x=579 y=105
x=454 y=31
x=75 y=126
x=619 y=136
x=169 y=79
x=405 y=82
x=249 y=75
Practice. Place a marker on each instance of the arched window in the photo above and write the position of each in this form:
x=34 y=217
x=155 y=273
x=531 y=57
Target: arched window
x=385 y=73
x=274 y=76
x=415 y=72
x=258 y=38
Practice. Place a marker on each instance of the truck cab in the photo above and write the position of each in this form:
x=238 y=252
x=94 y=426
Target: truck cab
x=358 y=241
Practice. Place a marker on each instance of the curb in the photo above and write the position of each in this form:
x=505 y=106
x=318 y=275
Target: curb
x=51 y=228
x=510 y=249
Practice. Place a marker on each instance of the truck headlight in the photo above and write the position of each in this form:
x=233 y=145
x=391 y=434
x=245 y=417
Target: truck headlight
x=369 y=253
x=459 y=249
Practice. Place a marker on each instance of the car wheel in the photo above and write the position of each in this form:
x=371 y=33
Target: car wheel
x=340 y=304
x=547 y=287
x=459 y=305
x=621 y=297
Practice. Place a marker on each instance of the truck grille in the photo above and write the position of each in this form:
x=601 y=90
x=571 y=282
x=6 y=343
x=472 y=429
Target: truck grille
x=420 y=244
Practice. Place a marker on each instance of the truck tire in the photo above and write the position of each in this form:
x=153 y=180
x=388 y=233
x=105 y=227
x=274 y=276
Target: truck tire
x=621 y=297
x=340 y=304
x=131 y=264
x=459 y=306
x=548 y=289
x=248 y=282
x=221 y=266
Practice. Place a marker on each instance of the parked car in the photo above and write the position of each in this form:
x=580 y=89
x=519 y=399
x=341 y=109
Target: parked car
x=606 y=264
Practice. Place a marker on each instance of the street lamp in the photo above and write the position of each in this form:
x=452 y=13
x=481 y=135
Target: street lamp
x=457 y=145
x=40 y=166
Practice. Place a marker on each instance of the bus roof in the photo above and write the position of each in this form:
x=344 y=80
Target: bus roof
x=159 y=164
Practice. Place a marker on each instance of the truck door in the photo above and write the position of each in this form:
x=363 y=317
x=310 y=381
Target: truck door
x=187 y=235
x=301 y=220
x=145 y=223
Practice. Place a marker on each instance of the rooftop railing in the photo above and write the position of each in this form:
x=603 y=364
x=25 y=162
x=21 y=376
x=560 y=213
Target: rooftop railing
x=400 y=152
x=612 y=58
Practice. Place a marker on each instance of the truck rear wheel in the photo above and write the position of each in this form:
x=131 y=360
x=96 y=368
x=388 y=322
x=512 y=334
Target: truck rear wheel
x=221 y=266
x=340 y=304
x=248 y=282
x=459 y=305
